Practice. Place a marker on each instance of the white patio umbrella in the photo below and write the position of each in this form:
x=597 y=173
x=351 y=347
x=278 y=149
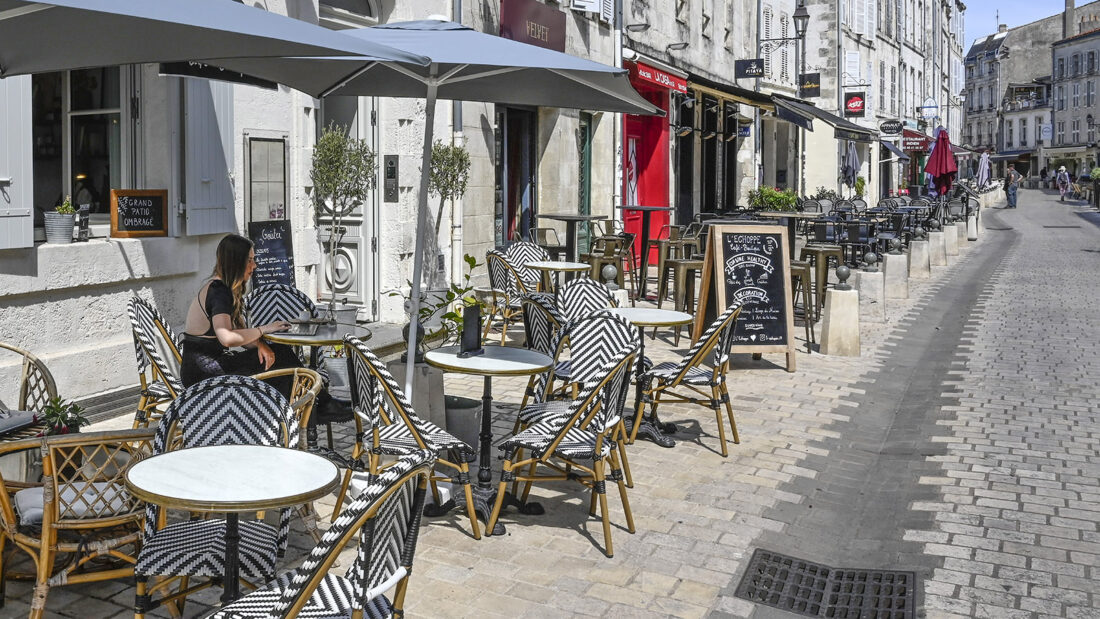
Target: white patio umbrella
x=37 y=37
x=983 y=171
x=466 y=65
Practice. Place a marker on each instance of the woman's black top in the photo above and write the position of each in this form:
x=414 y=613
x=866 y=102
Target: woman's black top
x=219 y=300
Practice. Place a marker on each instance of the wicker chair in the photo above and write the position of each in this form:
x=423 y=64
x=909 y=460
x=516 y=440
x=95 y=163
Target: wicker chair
x=508 y=285
x=36 y=383
x=689 y=373
x=81 y=510
x=158 y=360
x=542 y=322
x=582 y=297
x=386 y=518
x=223 y=410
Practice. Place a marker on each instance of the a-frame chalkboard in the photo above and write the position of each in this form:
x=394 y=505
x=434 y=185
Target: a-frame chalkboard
x=749 y=264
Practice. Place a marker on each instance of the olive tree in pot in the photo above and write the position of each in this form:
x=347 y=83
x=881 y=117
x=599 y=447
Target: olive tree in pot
x=344 y=173
x=60 y=222
x=447 y=178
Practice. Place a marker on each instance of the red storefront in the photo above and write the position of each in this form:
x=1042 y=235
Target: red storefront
x=646 y=149
x=917 y=145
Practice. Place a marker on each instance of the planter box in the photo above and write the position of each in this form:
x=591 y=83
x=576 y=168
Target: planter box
x=59 y=227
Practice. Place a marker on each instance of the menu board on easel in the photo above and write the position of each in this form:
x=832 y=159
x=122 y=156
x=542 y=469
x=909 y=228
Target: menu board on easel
x=749 y=264
x=274 y=252
x=139 y=212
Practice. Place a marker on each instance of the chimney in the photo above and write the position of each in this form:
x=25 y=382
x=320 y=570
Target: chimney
x=1068 y=19
x=1003 y=27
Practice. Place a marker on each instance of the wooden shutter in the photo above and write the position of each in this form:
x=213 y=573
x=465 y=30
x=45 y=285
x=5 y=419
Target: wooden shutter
x=16 y=171
x=859 y=19
x=871 y=15
x=208 y=157
x=590 y=6
x=851 y=67
x=607 y=11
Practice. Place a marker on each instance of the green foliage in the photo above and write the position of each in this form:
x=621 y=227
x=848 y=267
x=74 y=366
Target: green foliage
x=825 y=194
x=61 y=417
x=66 y=207
x=861 y=185
x=773 y=199
x=344 y=170
x=450 y=171
x=448 y=305
x=1095 y=174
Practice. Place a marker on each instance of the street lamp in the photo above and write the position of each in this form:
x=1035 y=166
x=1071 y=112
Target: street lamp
x=801 y=19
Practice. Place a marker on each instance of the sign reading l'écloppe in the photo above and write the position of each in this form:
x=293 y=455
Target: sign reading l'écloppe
x=753 y=67
x=890 y=127
x=855 y=103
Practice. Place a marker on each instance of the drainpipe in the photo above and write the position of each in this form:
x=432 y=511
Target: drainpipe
x=840 y=61
x=458 y=138
x=758 y=121
x=618 y=148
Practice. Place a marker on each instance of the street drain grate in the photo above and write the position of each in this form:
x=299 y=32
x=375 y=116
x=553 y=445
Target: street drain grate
x=1061 y=226
x=817 y=590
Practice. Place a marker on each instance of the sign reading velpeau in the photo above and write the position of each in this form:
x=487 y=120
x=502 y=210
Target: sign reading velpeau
x=809 y=85
x=535 y=23
x=855 y=103
x=891 y=127
x=753 y=67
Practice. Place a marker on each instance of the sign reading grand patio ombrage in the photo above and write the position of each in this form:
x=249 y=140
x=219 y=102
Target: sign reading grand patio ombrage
x=750 y=265
x=139 y=212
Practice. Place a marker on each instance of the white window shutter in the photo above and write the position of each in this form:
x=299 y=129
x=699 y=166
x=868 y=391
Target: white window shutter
x=851 y=67
x=870 y=97
x=16 y=173
x=607 y=11
x=589 y=6
x=208 y=157
x=766 y=48
x=859 y=20
x=872 y=16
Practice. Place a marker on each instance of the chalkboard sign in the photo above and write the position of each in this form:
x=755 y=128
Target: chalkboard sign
x=139 y=212
x=749 y=264
x=274 y=252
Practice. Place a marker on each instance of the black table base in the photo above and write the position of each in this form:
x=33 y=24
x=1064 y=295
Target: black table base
x=231 y=587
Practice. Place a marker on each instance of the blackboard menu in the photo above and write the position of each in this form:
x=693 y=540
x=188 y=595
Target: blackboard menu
x=139 y=212
x=274 y=252
x=749 y=264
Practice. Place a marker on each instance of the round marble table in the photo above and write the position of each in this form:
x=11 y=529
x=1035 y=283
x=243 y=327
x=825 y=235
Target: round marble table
x=642 y=317
x=557 y=266
x=495 y=361
x=230 y=479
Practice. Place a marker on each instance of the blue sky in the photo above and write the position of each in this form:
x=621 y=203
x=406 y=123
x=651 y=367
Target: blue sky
x=981 y=15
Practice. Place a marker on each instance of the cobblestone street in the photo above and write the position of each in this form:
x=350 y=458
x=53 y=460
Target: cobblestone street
x=962 y=445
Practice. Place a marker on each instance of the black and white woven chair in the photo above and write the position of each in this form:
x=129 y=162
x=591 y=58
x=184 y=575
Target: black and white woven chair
x=576 y=448
x=689 y=373
x=394 y=428
x=158 y=359
x=386 y=519
x=508 y=286
x=542 y=321
x=583 y=296
x=223 y=410
x=271 y=302
x=522 y=252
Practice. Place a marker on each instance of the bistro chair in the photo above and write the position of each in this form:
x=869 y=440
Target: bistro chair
x=578 y=448
x=386 y=519
x=689 y=373
x=614 y=250
x=158 y=360
x=223 y=410
x=542 y=321
x=547 y=239
x=36 y=383
x=508 y=286
x=580 y=297
x=80 y=511
x=395 y=429
x=522 y=252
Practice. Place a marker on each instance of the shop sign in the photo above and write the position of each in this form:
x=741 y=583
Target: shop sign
x=753 y=67
x=646 y=73
x=929 y=109
x=890 y=127
x=915 y=142
x=744 y=131
x=855 y=103
x=854 y=136
x=809 y=85
x=535 y=23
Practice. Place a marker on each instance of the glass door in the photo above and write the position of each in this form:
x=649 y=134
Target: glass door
x=515 y=174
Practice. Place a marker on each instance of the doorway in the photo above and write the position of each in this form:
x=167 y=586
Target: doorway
x=515 y=174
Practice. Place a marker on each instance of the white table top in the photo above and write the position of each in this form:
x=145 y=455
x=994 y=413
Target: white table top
x=558 y=265
x=651 y=317
x=327 y=335
x=496 y=361
x=232 y=478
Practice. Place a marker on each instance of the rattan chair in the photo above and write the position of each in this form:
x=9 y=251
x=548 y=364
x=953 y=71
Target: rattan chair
x=689 y=373
x=80 y=511
x=508 y=286
x=158 y=360
x=395 y=429
x=386 y=519
x=223 y=410
x=582 y=297
x=36 y=383
x=542 y=322
x=577 y=448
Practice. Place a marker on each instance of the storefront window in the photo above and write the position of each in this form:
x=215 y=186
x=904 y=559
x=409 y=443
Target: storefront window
x=266 y=179
x=77 y=134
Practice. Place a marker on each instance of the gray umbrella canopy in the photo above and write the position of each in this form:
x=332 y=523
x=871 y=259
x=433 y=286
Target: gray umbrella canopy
x=850 y=170
x=466 y=65
x=36 y=37
x=983 y=171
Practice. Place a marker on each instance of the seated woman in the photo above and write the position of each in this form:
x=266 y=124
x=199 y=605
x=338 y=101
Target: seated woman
x=216 y=341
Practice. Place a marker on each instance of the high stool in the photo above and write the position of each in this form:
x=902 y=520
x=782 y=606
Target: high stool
x=684 y=287
x=800 y=279
x=818 y=256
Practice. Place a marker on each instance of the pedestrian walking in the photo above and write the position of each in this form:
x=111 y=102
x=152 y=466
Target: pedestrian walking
x=1061 y=179
x=1012 y=184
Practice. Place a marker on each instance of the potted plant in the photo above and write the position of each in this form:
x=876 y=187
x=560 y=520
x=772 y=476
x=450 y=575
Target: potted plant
x=343 y=174
x=773 y=199
x=861 y=185
x=447 y=178
x=60 y=223
x=441 y=312
x=61 y=417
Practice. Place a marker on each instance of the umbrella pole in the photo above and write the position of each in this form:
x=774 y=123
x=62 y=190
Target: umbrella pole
x=421 y=217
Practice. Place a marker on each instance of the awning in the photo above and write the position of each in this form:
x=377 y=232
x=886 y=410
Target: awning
x=844 y=130
x=1010 y=155
x=731 y=92
x=897 y=151
x=1066 y=150
x=783 y=113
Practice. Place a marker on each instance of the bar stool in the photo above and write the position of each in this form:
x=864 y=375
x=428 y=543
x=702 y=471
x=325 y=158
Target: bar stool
x=684 y=271
x=819 y=256
x=800 y=279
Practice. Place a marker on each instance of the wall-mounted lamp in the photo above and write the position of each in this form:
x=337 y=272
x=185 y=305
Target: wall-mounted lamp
x=683 y=130
x=642 y=27
x=688 y=102
x=675 y=47
x=709 y=135
x=731 y=136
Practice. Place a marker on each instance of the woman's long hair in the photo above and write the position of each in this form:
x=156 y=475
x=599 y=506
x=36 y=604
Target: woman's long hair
x=232 y=262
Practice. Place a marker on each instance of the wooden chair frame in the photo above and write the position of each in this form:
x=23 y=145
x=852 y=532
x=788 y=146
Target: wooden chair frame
x=150 y=403
x=503 y=306
x=36 y=383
